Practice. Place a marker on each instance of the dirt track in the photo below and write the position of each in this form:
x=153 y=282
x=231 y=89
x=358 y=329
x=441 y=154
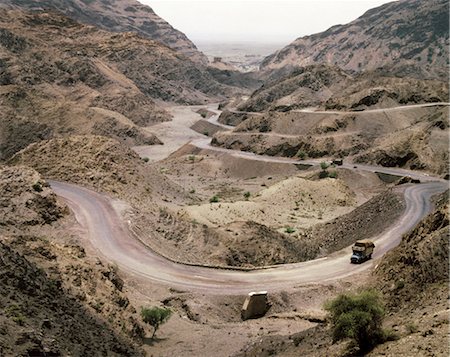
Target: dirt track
x=113 y=240
x=109 y=235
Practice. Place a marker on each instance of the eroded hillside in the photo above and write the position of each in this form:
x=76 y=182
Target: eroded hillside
x=55 y=299
x=408 y=37
x=62 y=78
x=118 y=16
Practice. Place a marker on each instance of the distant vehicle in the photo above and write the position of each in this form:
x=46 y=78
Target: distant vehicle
x=337 y=162
x=362 y=251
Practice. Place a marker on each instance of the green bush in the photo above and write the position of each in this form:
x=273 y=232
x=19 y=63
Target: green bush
x=324 y=165
x=301 y=154
x=332 y=174
x=155 y=316
x=214 y=199
x=37 y=187
x=146 y=159
x=289 y=230
x=358 y=317
x=247 y=195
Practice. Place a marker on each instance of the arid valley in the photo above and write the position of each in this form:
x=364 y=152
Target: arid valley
x=137 y=172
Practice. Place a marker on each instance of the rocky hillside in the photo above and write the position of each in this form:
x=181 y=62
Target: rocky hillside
x=55 y=300
x=415 y=138
x=407 y=37
x=118 y=16
x=100 y=163
x=59 y=77
x=329 y=87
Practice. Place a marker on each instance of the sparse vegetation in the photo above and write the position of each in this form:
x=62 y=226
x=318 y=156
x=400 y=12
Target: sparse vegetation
x=155 y=316
x=332 y=174
x=411 y=328
x=247 y=195
x=301 y=154
x=358 y=317
x=15 y=312
x=289 y=230
x=146 y=159
x=324 y=165
x=214 y=199
x=37 y=187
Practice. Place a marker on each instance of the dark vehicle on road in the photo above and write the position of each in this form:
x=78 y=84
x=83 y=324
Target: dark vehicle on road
x=362 y=251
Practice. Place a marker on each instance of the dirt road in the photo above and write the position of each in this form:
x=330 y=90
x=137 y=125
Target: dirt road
x=109 y=235
x=380 y=110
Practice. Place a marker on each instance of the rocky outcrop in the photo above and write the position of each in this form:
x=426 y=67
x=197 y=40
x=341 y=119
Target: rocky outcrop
x=27 y=199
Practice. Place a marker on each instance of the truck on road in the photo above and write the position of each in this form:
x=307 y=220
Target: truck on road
x=362 y=251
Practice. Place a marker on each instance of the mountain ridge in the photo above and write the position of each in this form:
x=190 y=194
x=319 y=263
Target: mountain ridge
x=118 y=16
x=408 y=37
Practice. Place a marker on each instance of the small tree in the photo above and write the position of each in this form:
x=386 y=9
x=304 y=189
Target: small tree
x=155 y=316
x=358 y=317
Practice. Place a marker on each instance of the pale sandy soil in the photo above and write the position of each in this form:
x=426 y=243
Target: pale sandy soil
x=174 y=134
x=294 y=202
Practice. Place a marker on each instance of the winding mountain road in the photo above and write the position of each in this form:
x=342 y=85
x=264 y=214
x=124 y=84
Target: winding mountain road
x=113 y=240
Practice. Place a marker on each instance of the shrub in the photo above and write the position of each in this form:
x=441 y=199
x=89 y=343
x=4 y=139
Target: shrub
x=301 y=154
x=155 y=316
x=214 y=199
x=411 y=328
x=358 y=317
x=146 y=159
x=37 y=187
x=332 y=174
x=289 y=230
x=324 y=165
x=247 y=195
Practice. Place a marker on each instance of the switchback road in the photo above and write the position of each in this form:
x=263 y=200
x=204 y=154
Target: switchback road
x=112 y=239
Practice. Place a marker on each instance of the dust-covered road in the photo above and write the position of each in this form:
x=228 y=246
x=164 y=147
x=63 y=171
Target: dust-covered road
x=112 y=239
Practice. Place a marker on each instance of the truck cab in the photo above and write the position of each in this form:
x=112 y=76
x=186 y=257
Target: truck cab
x=362 y=251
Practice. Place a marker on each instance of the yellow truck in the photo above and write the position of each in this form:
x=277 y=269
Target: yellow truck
x=362 y=251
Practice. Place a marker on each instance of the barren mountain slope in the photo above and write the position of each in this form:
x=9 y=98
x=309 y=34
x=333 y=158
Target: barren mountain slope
x=100 y=163
x=409 y=37
x=118 y=16
x=59 y=77
x=416 y=138
x=55 y=300
x=329 y=87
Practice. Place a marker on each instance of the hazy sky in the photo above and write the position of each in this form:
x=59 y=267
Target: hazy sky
x=279 y=21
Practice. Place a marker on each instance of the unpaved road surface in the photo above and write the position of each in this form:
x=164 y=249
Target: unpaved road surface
x=110 y=236
x=174 y=133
